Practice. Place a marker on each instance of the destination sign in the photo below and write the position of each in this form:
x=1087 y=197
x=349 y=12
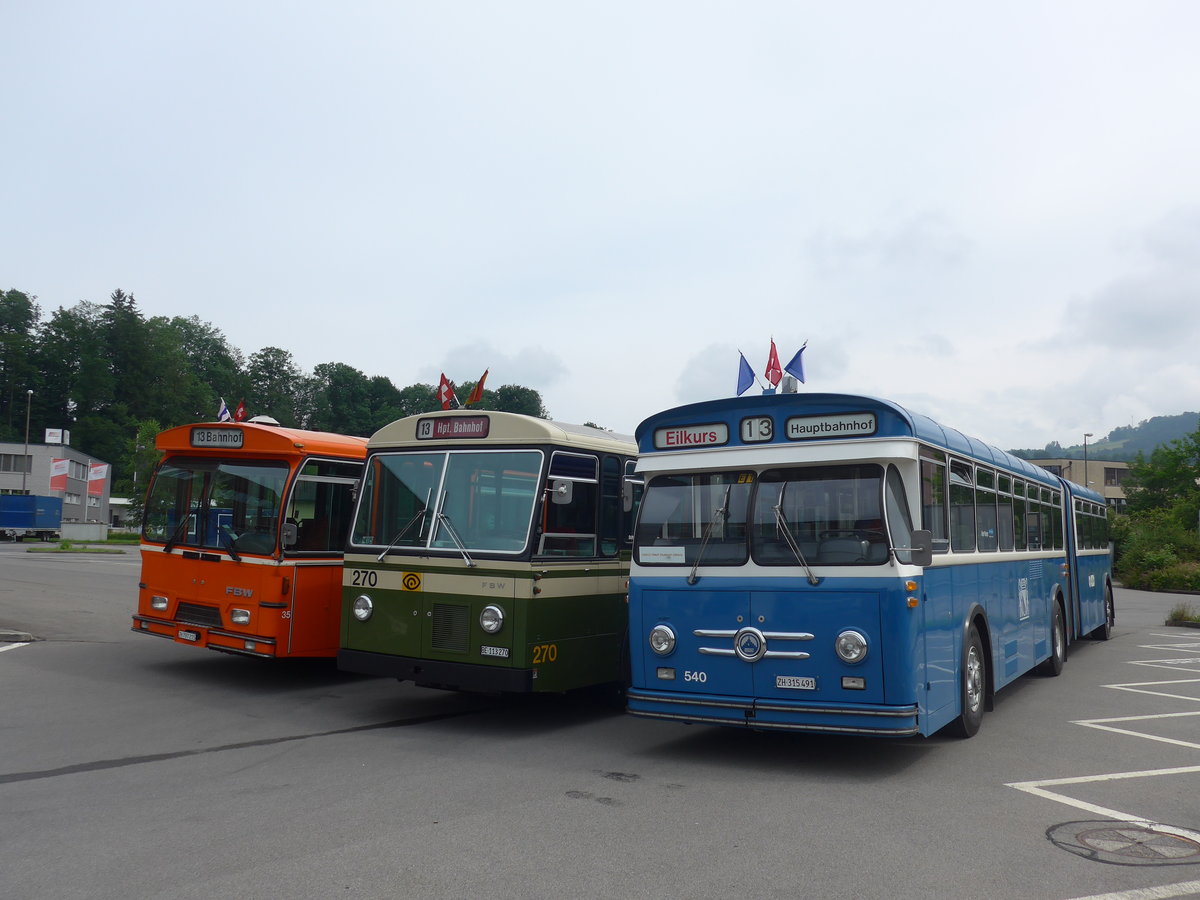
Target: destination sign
x=683 y=437
x=217 y=437
x=453 y=428
x=805 y=428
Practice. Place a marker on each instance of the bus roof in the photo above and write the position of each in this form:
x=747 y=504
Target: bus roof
x=892 y=421
x=462 y=427
x=257 y=438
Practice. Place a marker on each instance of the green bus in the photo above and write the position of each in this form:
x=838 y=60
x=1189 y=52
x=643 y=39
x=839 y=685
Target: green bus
x=490 y=553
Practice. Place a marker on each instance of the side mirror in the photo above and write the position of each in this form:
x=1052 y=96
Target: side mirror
x=288 y=536
x=921 y=551
x=561 y=491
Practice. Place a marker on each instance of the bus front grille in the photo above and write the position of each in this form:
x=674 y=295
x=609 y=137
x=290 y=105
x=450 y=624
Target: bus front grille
x=450 y=627
x=195 y=614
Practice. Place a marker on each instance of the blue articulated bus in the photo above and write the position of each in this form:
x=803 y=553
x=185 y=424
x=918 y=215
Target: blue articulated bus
x=837 y=563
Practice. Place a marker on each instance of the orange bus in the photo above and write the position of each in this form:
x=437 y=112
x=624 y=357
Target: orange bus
x=243 y=535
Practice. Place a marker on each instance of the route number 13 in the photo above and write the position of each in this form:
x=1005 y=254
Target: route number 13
x=756 y=429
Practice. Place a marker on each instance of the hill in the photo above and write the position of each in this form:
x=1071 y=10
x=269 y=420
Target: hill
x=1124 y=443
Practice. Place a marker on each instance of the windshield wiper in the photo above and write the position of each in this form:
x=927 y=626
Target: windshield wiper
x=722 y=513
x=781 y=523
x=444 y=519
x=230 y=537
x=420 y=516
x=180 y=529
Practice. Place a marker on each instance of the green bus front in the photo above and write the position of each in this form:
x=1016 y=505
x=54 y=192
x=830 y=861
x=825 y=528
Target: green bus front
x=494 y=565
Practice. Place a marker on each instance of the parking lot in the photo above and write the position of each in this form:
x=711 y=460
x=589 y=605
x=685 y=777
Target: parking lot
x=134 y=767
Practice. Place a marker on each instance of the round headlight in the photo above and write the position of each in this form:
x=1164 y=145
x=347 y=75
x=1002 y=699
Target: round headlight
x=662 y=639
x=491 y=619
x=851 y=647
x=363 y=607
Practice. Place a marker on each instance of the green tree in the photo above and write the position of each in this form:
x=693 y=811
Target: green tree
x=19 y=316
x=517 y=399
x=275 y=385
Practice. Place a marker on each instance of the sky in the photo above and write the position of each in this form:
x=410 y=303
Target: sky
x=989 y=213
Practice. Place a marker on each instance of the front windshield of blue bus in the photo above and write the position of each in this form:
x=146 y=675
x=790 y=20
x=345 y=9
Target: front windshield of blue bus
x=425 y=500
x=685 y=518
x=828 y=515
x=216 y=504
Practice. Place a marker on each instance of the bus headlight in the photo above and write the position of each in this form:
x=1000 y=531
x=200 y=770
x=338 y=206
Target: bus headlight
x=158 y=602
x=362 y=607
x=239 y=616
x=491 y=619
x=662 y=640
x=851 y=647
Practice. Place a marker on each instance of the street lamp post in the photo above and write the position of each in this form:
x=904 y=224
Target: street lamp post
x=25 y=459
x=1085 y=464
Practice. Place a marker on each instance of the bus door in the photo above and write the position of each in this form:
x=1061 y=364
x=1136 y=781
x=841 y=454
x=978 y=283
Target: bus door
x=317 y=521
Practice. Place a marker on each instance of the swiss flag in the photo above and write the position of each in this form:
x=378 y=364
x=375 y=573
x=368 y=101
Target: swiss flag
x=239 y=414
x=774 y=372
x=445 y=393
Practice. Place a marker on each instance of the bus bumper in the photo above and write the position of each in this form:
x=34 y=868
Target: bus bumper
x=437 y=673
x=775 y=715
x=202 y=636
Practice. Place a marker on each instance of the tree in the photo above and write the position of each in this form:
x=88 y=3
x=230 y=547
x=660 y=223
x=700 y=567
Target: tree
x=19 y=316
x=516 y=399
x=275 y=385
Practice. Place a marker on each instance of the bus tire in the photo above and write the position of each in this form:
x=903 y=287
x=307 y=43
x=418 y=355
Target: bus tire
x=1058 y=640
x=1104 y=631
x=972 y=686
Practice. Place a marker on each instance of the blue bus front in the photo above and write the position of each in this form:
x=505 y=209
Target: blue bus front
x=776 y=597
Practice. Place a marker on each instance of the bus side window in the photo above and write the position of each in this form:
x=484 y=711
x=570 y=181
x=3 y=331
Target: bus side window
x=933 y=504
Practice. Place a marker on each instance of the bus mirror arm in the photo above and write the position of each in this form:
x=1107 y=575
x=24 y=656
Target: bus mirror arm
x=287 y=537
x=921 y=551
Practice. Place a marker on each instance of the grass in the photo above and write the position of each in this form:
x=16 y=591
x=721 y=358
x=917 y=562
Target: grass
x=1184 y=612
x=73 y=547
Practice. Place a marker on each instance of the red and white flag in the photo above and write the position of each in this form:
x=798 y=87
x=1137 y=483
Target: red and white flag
x=97 y=475
x=59 y=469
x=239 y=414
x=774 y=372
x=445 y=393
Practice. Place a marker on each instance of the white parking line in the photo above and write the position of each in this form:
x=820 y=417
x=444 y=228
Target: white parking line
x=1038 y=788
x=1163 y=892
x=4 y=647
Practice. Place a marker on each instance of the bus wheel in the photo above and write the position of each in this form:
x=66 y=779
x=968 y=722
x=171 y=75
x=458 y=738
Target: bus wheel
x=1104 y=632
x=972 y=685
x=1058 y=638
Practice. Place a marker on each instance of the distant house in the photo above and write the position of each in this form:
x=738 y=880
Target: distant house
x=58 y=470
x=1104 y=475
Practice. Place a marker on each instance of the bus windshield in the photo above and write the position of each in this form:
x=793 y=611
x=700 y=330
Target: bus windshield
x=216 y=504
x=832 y=513
x=828 y=515
x=412 y=500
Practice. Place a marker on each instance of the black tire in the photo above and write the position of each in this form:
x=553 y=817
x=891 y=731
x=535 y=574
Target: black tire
x=1104 y=632
x=1058 y=639
x=972 y=686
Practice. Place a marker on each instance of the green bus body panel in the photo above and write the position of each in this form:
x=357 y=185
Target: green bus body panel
x=567 y=638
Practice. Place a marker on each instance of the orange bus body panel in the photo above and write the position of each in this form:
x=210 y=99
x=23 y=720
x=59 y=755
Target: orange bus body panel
x=288 y=604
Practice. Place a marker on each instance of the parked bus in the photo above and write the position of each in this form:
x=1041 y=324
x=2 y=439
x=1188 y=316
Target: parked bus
x=242 y=538
x=490 y=552
x=835 y=563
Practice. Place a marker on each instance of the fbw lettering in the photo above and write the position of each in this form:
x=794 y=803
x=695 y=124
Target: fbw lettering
x=239 y=592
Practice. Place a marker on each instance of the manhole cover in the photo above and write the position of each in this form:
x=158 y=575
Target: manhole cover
x=1127 y=843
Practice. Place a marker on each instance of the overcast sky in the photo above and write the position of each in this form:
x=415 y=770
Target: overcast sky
x=989 y=213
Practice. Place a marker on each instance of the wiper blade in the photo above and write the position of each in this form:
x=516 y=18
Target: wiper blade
x=229 y=536
x=444 y=519
x=722 y=513
x=420 y=516
x=781 y=523
x=180 y=530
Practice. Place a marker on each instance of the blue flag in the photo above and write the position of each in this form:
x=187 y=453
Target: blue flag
x=745 y=375
x=796 y=366
x=223 y=413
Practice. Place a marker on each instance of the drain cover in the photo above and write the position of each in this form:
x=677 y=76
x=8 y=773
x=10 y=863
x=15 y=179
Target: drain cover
x=1127 y=843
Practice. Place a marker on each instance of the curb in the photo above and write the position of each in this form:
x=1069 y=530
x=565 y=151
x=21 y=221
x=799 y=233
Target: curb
x=15 y=637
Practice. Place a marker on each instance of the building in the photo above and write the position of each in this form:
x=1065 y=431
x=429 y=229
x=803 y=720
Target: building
x=1104 y=475
x=59 y=470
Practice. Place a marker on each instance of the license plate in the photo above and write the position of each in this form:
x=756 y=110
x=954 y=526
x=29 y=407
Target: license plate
x=795 y=682
x=185 y=635
x=500 y=652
